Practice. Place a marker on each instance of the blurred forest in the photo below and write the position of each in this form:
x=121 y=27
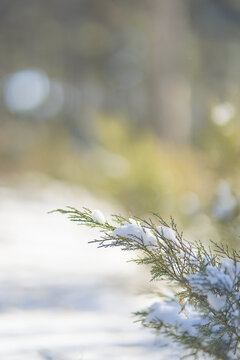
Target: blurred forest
x=137 y=101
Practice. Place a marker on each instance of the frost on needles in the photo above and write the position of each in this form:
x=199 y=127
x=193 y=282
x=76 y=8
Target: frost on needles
x=203 y=314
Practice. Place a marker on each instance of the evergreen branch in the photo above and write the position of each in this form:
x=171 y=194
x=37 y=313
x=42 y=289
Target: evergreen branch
x=207 y=281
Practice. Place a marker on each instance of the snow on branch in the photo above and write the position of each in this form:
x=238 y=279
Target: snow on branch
x=204 y=314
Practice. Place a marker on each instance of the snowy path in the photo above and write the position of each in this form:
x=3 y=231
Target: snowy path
x=61 y=298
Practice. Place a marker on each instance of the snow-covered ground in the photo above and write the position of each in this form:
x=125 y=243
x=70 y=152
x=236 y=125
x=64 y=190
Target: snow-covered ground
x=60 y=297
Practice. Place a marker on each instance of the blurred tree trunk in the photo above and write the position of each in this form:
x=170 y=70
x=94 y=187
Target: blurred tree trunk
x=169 y=87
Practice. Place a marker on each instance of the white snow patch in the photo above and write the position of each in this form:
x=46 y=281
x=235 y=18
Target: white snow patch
x=130 y=230
x=167 y=233
x=149 y=239
x=228 y=266
x=135 y=231
x=98 y=216
x=171 y=314
x=216 y=302
x=212 y=278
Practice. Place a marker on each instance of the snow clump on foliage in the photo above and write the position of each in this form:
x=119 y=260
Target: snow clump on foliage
x=98 y=216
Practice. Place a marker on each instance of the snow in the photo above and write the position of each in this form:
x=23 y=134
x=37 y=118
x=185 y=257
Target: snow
x=171 y=314
x=167 y=233
x=190 y=321
x=149 y=239
x=212 y=278
x=216 y=302
x=60 y=297
x=98 y=216
x=130 y=230
x=228 y=266
x=220 y=286
x=133 y=230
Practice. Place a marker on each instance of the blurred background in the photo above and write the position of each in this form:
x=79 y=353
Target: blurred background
x=130 y=106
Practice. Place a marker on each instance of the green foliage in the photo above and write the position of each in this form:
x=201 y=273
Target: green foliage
x=206 y=282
